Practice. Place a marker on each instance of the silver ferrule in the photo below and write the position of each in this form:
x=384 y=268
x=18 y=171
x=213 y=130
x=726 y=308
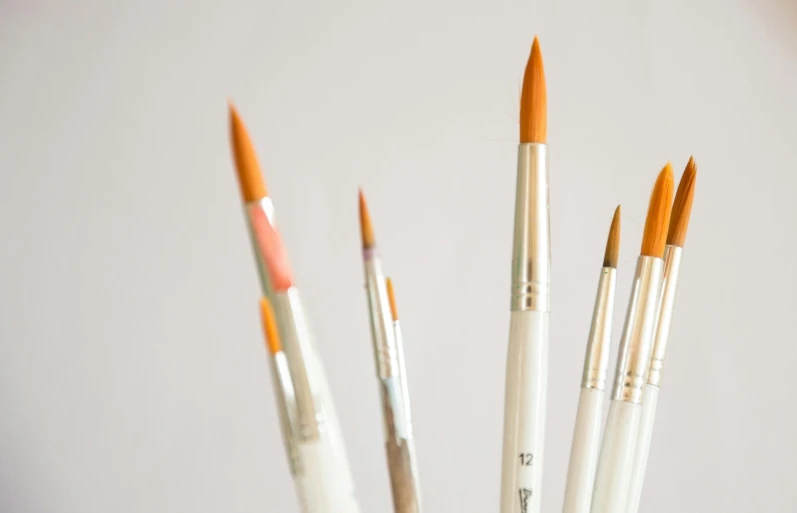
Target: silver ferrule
x=405 y=391
x=252 y=209
x=596 y=361
x=635 y=343
x=669 y=287
x=381 y=320
x=297 y=345
x=531 y=244
x=286 y=407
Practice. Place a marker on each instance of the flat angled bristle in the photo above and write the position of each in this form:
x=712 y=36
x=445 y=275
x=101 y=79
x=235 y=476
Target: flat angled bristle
x=682 y=206
x=654 y=238
x=366 y=230
x=612 y=254
x=534 y=100
x=269 y=326
x=392 y=299
x=250 y=179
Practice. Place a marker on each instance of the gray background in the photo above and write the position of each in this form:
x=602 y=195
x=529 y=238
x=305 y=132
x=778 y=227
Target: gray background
x=132 y=371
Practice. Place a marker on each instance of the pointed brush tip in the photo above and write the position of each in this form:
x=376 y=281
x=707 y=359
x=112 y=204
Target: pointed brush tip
x=654 y=238
x=366 y=229
x=533 y=99
x=250 y=178
x=682 y=206
x=391 y=298
x=612 y=254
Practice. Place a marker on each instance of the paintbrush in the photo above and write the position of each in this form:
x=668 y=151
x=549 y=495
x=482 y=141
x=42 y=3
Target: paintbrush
x=676 y=237
x=613 y=475
x=586 y=435
x=527 y=355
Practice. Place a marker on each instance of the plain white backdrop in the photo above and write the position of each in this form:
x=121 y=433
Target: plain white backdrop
x=133 y=376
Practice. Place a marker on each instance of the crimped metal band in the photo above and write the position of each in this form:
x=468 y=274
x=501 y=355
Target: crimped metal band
x=596 y=361
x=531 y=250
x=669 y=288
x=637 y=338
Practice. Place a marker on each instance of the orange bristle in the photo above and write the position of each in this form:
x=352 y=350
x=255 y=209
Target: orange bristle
x=250 y=179
x=366 y=230
x=270 y=327
x=654 y=237
x=392 y=299
x=612 y=254
x=534 y=100
x=682 y=206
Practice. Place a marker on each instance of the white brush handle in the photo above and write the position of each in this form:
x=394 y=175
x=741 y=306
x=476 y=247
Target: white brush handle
x=616 y=457
x=650 y=396
x=524 y=412
x=322 y=487
x=584 y=452
x=338 y=470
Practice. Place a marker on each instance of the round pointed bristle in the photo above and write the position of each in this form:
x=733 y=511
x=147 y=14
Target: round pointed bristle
x=270 y=326
x=366 y=230
x=534 y=100
x=392 y=299
x=654 y=238
x=250 y=179
x=682 y=206
x=612 y=254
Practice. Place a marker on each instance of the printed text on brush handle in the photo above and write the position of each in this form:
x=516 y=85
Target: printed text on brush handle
x=526 y=459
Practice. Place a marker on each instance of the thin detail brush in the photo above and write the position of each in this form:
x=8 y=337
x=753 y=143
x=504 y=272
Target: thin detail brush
x=586 y=435
x=399 y=447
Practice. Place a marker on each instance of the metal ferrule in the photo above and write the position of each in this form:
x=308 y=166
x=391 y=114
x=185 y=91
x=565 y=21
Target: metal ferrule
x=596 y=361
x=405 y=391
x=531 y=245
x=295 y=336
x=267 y=207
x=286 y=406
x=635 y=343
x=381 y=320
x=669 y=287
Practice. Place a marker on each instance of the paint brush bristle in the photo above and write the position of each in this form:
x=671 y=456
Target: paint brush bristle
x=534 y=100
x=682 y=206
x=366 y=230
x=654 y=238
x=250 y=179
x=392 y=299
x=612 y=254
x=270 y=326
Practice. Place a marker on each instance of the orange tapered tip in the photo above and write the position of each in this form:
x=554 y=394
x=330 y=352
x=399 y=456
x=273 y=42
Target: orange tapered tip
x=682 y=206
x=534 y=100
x=612 y=254
x=654 y=238
x=250 y=179
x=392 y=299
x=366 y=230
x=270 y=326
